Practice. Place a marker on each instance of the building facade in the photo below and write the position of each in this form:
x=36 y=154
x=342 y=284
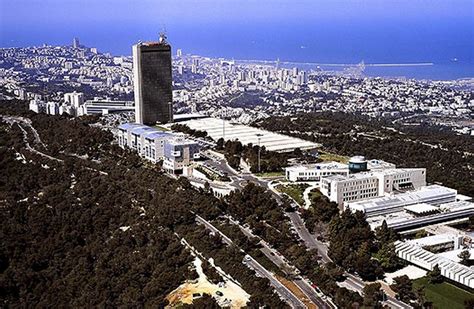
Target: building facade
x=315 y=172
x=153 y=82
x=106 y=106
x=75 y=99
x=176 y=152
x=365 y=185
x=419 y=252
x=179 y=153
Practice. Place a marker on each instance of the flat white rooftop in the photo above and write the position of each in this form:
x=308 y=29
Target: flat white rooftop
x=218 y=128
x=434 y=194
x=458 y=205
x=376 y=164
x=411 y=271
x=182 y=117
x=421 y=208
x=453 y=254
x=433 y=240
x=319 y=166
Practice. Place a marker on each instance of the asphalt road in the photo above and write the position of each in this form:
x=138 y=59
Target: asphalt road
x=283 y=291
x=277 y=259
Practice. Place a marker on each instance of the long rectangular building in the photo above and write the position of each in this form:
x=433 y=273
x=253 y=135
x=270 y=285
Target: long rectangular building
x=366 y=185
x=218 y=128
x=176 y=151
x=432 y=195
x=315 y=172
x=417 y=252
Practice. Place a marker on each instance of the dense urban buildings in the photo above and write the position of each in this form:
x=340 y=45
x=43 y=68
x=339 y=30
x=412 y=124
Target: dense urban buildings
x=243 y=91
x=153 y=82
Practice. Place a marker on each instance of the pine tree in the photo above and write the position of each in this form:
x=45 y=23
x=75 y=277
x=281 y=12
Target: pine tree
x=465 y=256
x=435 y=275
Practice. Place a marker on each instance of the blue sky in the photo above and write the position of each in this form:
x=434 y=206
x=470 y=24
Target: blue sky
x=329 y=30
x=13 y=11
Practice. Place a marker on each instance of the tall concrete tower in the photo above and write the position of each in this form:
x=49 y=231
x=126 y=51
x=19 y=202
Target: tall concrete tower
x=153 y=82
x=75 y=43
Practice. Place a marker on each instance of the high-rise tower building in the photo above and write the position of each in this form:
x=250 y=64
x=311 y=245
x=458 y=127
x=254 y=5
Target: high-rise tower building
x=153 y=82
x=75 y=43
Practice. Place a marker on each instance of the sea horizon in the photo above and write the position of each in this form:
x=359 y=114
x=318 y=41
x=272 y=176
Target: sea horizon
x=328 y=34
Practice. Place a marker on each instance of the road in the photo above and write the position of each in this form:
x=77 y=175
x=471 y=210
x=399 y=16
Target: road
x=352 y=282
x=277 y=259
x=21 y=121
x=286 y=294
x=282 y=290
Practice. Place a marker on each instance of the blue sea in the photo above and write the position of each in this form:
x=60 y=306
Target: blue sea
x=448 y=44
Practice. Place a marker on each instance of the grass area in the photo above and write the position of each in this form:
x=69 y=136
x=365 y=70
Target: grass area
x=333 y=157
x=270 y=174
x=443 y=295
x=295 y=191
x=161 y=128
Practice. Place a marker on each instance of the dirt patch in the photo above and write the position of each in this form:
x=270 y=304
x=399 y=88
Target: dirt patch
x=296 y=290
x=230 y=292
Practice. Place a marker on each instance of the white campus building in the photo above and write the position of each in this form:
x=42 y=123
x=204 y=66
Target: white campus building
x=106 y=106
x=365 y=185
x=360 y=179
x=416 y=201
x=441 y=250
x=315 y=172
x=176 y=152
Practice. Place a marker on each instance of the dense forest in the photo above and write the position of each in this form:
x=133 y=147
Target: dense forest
x=95 y=225
x=447 y=156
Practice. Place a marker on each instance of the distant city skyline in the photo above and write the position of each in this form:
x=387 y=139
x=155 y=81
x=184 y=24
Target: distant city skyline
x=303 y=31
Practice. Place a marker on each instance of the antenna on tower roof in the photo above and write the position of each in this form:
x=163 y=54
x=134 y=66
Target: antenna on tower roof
x=163 y=35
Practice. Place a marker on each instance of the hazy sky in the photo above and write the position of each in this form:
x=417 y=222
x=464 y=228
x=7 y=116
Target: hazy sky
x=170 y=11
x=329 y=30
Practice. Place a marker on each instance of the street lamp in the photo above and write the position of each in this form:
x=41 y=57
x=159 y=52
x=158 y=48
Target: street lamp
x=258 y=138
x=223 y=129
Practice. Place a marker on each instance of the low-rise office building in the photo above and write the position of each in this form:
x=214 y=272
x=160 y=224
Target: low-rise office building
x=176 y=152
x=423 y=253
x=417 y=216
x=106 y=106
x=360 y=179
x=367 y=185
x=314 y=172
